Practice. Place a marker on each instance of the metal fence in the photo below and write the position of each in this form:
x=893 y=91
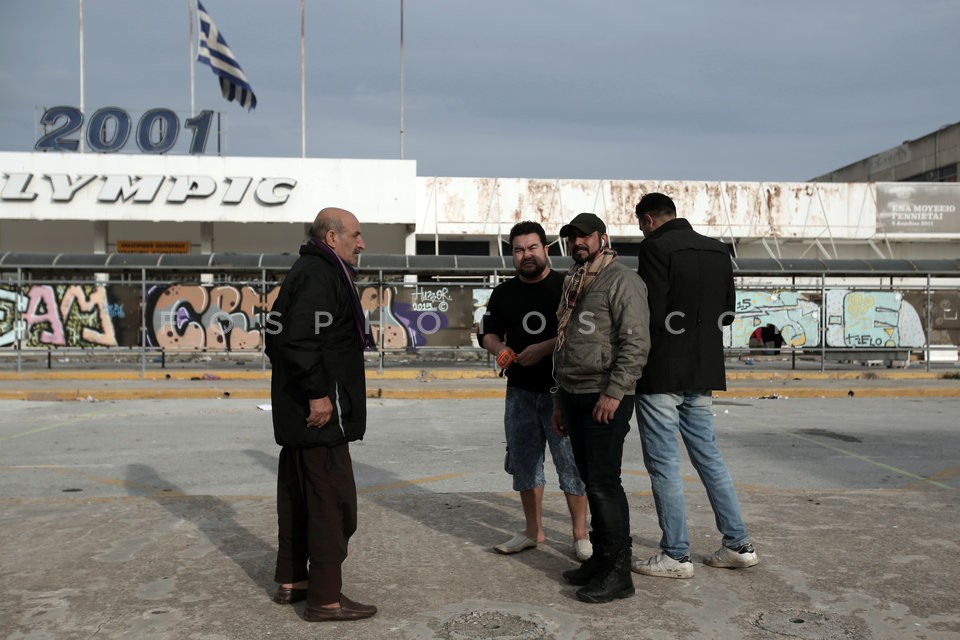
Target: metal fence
x=156 y=310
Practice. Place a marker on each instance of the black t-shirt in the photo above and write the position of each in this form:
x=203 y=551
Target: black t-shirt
x=524 y=313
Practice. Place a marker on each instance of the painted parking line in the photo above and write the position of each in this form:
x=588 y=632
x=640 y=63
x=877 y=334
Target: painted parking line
x=409 y=483
x=876 y=463
x=54 y=425
x=102 y=480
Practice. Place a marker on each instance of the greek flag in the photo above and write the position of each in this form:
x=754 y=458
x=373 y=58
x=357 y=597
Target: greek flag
x=213 y=51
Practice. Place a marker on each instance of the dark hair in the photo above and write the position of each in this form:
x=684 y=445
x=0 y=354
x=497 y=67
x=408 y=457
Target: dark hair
x=657 y=205
x=527 y=227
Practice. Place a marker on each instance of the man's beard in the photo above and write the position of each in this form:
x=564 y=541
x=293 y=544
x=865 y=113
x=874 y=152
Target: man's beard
x=581 y=258
x=532 y=268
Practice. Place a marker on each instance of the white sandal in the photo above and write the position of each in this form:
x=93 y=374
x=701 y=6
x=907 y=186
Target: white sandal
x=515 y=544
x=583 y=549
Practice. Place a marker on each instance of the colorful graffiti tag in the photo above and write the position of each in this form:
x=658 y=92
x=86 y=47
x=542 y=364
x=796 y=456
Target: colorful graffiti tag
x=232 y=317
x=417 y=316
x=217 y=318
x=854 y=319
x=797 y=318
x=871 y=319
x=75 y=315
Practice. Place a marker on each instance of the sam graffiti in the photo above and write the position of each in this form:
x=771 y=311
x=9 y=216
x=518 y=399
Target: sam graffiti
x=61 y=315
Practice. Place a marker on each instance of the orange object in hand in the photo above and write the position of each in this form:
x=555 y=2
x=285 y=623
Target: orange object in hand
x=506 y=358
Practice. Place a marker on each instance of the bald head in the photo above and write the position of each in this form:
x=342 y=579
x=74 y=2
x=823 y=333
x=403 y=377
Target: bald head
x=340 y=230
x=329 y=219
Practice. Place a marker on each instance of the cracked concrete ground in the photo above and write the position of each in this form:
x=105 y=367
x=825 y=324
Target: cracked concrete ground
x=155 y=519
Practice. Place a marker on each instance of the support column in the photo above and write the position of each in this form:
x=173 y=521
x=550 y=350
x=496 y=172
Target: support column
x=100 y=236
x=206 y=237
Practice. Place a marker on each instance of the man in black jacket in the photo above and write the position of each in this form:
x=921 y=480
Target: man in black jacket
x=315 y=337
x=691 y=294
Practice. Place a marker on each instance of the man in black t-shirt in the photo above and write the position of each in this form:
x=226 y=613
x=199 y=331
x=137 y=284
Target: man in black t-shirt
x=520 y=328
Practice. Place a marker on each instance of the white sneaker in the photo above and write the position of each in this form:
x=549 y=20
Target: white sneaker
x=663 y=566
x=727 y=558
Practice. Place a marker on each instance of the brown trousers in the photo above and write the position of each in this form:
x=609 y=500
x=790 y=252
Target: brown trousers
x=316 y=515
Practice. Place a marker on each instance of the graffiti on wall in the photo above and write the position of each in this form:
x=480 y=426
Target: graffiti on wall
x=417 y=316
x=60 y=315
x=796 y=318
x=232 y=317
x=871 y=319
x=215 y=318
x=854 y=319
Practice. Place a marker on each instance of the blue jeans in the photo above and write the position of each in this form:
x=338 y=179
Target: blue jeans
x=661 y=417
x=598 y=450
x=526 y=424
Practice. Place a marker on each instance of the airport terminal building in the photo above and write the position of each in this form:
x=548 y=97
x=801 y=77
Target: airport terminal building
x=185 y=252
x=900 y=204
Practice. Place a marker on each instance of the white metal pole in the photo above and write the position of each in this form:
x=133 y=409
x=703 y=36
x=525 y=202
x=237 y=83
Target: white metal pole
x=401 y=79
x=193 y=103
x=303 y=83
x=81 y=68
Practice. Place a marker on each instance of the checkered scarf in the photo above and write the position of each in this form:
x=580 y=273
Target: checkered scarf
x=575 y=283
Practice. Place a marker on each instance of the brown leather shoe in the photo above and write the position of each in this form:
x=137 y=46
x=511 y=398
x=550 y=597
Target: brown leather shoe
x=286 y=595
x=349 y=610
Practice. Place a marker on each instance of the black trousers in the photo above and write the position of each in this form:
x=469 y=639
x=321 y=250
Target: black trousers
x=316 y=515
x=598 y=451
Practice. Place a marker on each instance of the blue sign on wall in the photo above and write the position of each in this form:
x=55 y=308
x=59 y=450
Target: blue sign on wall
x=109 y=129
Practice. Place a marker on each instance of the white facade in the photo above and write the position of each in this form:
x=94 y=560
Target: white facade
x=85 y=203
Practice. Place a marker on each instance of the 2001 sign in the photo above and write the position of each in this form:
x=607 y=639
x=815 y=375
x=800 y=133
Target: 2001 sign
x=109 y=128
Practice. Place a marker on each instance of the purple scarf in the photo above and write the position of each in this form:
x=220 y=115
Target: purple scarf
x=349 y=274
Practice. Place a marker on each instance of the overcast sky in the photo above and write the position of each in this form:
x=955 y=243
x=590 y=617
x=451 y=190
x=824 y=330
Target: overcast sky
x=761 y=90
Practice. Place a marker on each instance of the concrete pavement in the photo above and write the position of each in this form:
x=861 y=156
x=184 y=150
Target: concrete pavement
x=155 y=519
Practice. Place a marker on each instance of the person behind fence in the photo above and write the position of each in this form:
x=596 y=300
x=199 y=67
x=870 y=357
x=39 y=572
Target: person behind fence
x=766 y=336
x=691 y=295
x=520 y=329
x=315 y=340
x=602 y=344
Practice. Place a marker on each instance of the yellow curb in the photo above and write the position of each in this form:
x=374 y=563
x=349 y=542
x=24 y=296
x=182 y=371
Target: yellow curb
x=436 y=394
x=427 y=373
x=179 y=393
x=135 y=375
x=229 y=374
x=50 y=395
x=843 y=392
x=836 y=375
x=431 y=374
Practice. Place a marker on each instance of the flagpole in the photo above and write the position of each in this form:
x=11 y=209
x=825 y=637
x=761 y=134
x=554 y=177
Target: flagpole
x=303 y=85
x=401 y=79
x=81 y=68
x=193 y=108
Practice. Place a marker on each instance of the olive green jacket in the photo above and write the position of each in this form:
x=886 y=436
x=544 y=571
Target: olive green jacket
x=608 y=337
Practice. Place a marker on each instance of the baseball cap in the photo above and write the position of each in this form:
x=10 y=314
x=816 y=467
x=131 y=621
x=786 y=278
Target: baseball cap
x=585 y=223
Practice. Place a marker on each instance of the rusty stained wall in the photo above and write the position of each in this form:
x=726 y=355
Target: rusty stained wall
x=803 y=210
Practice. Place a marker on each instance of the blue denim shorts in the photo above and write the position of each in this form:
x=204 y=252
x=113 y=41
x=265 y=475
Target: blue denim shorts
x=526 y=424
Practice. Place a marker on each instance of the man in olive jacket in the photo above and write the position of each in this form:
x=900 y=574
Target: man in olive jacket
x=315 y=337
x=602 y=344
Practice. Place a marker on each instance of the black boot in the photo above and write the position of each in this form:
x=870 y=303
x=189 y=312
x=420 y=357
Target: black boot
x=588 y=568
x=612 y=581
